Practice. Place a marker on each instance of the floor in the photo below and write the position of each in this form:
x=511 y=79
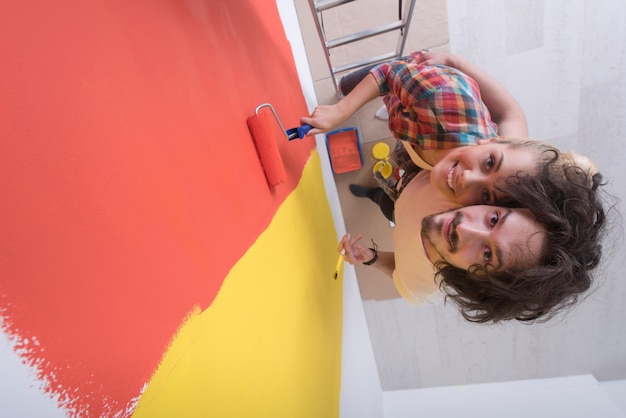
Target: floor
x=563 y=61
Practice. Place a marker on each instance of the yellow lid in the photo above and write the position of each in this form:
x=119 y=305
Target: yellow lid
x=380 y=150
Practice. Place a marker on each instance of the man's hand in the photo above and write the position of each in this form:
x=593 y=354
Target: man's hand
x=353 y=251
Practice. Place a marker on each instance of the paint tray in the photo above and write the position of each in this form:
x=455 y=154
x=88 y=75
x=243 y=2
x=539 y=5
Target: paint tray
x=344 y=150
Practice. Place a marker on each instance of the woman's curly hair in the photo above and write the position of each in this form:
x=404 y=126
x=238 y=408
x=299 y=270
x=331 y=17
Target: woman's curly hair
x=565 y=199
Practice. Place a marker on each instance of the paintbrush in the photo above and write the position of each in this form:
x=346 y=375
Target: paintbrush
x=339 y=263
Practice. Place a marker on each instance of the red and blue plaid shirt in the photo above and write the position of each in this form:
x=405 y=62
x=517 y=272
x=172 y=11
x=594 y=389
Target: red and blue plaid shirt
x=433 y=107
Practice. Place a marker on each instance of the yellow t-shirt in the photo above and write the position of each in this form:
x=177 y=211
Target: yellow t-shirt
x=414 y=273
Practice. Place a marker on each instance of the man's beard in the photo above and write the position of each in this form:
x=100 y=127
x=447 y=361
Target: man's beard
x=430 y=227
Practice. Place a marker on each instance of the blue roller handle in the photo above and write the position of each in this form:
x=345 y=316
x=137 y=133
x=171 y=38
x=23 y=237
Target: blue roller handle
x=299 y=132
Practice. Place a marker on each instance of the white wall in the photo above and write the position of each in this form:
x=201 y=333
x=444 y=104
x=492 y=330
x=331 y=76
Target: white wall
x=20 y=396
x=564 y=60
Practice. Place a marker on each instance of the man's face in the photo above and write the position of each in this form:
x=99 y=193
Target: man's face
x=468 y=175
x=502 y=238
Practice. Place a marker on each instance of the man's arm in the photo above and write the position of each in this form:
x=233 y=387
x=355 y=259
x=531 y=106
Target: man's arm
x=386 y=263
x=504 y=109
x=327 y=117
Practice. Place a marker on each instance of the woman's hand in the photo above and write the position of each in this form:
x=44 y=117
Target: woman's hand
x=352 y=251
x=324 y=118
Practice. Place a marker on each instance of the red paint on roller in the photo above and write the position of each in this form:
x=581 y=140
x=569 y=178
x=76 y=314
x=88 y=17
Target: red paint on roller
x=263 y=131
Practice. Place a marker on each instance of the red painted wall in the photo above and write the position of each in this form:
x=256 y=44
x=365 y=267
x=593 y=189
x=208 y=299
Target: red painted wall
x=130 y=184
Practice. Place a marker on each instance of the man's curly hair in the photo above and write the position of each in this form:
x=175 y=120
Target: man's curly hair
x=567 y=202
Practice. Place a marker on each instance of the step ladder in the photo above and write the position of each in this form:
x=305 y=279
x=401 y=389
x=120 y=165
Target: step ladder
x=401 y=25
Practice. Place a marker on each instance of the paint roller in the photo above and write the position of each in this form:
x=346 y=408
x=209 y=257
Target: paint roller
x=262 y=128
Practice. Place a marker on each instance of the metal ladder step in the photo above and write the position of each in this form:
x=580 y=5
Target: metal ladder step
x=322 y=5
x=333 y=43
x=401 y=25
x=362 y=63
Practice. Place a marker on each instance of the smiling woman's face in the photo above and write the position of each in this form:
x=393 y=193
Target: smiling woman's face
x=467 y=175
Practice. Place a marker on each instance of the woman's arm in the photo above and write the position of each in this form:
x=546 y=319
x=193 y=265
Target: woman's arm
x=504 y=109
x=327 y=117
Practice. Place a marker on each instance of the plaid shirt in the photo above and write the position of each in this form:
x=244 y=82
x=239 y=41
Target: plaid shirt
x=434 y=107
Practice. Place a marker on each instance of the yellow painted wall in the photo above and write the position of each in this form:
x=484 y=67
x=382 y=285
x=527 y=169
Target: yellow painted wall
x=270 y=344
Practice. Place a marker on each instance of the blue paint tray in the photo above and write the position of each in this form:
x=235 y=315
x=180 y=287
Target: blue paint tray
x=344 y=150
